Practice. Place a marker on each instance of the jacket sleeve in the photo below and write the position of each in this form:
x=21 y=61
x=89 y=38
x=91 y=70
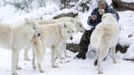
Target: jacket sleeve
x=89 y=20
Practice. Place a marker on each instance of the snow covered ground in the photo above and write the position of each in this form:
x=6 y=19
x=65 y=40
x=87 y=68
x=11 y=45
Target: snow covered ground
x=72 y=66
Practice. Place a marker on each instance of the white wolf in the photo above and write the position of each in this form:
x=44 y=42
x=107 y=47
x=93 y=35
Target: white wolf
x=53 y=36
x=74 y=22
x=16 y=38
x=104 y=37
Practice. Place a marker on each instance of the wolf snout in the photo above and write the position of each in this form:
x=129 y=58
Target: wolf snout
x=38 y=34
x=71 y=38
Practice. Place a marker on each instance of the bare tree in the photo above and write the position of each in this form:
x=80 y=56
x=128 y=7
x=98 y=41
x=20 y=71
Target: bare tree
x=41 y=3
x=65 y=3
x=20 y=4
x=2 y=3
x=84 y=5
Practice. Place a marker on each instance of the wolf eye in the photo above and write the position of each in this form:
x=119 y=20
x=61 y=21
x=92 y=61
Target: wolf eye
x=72 y=31
x=34 y=28
x=68 y=31
x=80 y=25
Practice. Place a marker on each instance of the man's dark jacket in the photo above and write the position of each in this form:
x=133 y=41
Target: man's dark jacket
x=98 y=20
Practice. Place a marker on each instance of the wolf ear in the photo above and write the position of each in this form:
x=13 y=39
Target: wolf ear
x=28 y=21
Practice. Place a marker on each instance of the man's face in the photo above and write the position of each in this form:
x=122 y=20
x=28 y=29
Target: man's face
x=101 y=5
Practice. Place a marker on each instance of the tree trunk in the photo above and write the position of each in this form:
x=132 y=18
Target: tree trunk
x=120 y=5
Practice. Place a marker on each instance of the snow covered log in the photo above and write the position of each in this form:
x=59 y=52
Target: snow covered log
x=120 y=5
x=71 y=14
x=75 y=47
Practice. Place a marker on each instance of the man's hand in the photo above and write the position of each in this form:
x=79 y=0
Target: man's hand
x=91 y=27
x=93 y=17
x=101 y=11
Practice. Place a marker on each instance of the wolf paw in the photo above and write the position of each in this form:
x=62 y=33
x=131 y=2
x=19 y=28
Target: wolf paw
x=34 y=67
x=18 y=68
x=55 y=66
x=100 y=72
x=27 y=59
x=42 y=71
x=114 y=61
x=14 y=74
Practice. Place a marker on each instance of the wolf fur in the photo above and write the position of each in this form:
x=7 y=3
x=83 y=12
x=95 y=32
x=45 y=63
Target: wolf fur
x=53 y=36
x=16 y=38
x=104 y=37
x=76 y=22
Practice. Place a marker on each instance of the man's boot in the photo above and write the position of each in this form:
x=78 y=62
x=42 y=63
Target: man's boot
x=81 y=54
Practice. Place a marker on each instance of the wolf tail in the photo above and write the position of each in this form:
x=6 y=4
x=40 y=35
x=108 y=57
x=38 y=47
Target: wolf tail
x=37 y=49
